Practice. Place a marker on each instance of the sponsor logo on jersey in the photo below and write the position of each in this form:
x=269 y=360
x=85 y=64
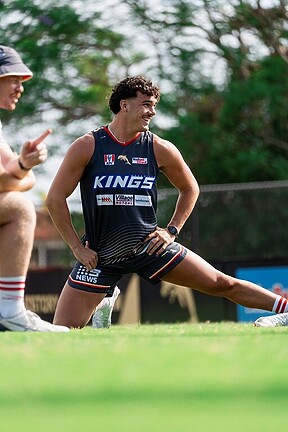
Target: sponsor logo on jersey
x=124 y=159
x=104 y=200
x=124 y=181
x=109 y=159
x=139 y=160
x=124 y=200
x=85 y=276
x=143 y=201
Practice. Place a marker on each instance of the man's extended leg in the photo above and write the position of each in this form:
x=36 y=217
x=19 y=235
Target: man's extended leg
x=194 y=272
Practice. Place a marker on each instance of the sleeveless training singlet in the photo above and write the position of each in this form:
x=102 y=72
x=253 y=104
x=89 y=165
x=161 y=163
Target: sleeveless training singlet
x=119 y=200
x=119 y=197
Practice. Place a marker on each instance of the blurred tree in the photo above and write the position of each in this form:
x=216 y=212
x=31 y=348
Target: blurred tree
x=232 y=129
x=222 y=67
x=235 y=128
x=70 y=50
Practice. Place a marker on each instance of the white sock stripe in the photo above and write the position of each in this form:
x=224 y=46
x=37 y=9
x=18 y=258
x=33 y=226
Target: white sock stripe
x=283 y=306
x=280 y=305
x=12 y=290
x=275 y=306
x=12 y=279
x=12 y=286
x=12 y=283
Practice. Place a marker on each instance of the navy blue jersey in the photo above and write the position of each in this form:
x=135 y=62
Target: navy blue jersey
x=119 y=196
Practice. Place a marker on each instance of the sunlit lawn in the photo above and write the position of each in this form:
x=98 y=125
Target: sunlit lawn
x=204 y=377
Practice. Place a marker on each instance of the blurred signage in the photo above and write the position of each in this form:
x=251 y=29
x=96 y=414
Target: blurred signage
x=274 y=278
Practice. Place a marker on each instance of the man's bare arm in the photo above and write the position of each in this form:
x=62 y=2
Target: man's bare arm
x=9 y=183
x=64 y=183
x=33 y=152
x=172 y=164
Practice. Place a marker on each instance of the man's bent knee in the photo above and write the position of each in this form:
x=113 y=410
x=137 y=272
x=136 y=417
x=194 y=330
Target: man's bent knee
x=225 y=284
x=17 y=207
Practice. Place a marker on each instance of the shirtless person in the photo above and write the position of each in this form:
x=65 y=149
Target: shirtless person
x=17 y=213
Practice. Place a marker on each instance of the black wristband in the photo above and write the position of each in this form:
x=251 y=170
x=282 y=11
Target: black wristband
x=22 y=166
x=173 y=230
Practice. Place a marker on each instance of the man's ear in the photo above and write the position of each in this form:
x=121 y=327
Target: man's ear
x=123 y=104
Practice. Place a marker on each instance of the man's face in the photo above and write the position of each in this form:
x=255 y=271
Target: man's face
x=141 y=110
x=11 y=89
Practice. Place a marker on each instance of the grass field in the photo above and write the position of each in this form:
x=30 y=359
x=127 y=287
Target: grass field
x=166 y=378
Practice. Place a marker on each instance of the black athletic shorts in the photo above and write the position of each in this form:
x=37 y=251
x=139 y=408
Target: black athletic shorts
x=104 y=278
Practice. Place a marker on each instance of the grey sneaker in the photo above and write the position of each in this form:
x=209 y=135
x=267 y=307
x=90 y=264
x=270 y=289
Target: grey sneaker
x=102 y=316
x=272 y=321
x=29 y=321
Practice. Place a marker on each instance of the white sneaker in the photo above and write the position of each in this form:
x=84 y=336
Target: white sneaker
x=272 y=321
x=102 y=316
x=29 y=321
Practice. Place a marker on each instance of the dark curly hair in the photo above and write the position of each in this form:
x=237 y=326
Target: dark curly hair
x=128 y=88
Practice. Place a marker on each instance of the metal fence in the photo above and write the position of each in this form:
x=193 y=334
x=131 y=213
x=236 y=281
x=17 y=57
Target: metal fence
x=234 y=221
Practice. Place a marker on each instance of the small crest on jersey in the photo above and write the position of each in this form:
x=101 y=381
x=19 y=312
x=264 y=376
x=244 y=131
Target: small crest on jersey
x=139 y=160
x=109 y=159
x=124 y=159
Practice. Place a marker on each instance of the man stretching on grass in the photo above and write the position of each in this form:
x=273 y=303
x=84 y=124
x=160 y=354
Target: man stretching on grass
x=117 y=166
